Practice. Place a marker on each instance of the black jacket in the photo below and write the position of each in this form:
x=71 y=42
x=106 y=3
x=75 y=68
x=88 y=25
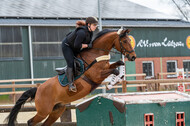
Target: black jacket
x=78 y=37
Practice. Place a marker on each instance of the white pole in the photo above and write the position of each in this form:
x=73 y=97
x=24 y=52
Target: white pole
x=31 y=55
x=123 y=59
x=99 y=16
x=100 y=29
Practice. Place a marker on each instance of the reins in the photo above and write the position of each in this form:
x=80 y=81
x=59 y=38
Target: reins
x=123 y=50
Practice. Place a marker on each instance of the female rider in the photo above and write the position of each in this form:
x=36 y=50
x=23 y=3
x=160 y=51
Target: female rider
x=74 y=43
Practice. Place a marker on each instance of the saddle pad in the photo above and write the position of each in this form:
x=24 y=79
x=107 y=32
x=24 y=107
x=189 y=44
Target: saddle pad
x=63 y=78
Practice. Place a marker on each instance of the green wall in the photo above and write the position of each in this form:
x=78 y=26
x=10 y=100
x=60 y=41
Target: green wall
x=130 y=69
x=44 y=68
x=19 y=68
x=163 y=115
x=160 y=42
x=97 y=113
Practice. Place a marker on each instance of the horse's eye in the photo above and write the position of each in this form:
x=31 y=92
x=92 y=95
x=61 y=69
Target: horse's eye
x=125 y=41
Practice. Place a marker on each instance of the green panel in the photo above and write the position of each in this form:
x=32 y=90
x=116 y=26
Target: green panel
x=26 y=50
x=130 y=69
x=46 y=68
x=17 y=68
x=160 y=42
x=97 y=114
x=12 y=70
x=163 y=115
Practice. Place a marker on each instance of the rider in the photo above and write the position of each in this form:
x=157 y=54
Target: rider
x=74 y=42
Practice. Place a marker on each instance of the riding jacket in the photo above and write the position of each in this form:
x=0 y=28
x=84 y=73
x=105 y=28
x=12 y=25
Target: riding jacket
x=78 y=37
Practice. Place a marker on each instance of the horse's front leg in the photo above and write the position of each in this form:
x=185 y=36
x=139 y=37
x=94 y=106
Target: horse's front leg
x=107 y=72
x=116 y=64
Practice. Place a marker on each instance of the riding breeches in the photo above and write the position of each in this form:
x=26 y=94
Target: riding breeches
x=68 y=54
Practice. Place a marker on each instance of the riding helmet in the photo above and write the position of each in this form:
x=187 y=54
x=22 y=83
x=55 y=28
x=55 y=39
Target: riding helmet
x=91 y=20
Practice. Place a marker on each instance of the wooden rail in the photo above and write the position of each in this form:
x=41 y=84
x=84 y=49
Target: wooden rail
x=55 y=124
x=13 y=85
x=7 y=108
x=158 y=81
x=23 y=80
x=170 y=73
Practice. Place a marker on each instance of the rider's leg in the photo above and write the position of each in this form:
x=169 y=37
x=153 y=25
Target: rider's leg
x=70 y=78
x=69 y=57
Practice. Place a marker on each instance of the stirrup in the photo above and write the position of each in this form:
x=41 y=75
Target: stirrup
x=71 y=88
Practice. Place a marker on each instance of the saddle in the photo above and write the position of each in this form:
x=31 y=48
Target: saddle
x=78 y=71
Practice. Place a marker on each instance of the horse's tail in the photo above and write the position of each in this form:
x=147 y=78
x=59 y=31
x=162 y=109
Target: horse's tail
x=15 y=110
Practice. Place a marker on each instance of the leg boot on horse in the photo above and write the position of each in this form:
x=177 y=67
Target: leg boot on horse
x=70 y=77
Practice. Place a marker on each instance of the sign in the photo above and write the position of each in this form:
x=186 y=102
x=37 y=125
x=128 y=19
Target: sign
x=165 y=43
x=133 y=43
x=180 y=88
x=160 y=42
x=188 y=42
x=180 y=77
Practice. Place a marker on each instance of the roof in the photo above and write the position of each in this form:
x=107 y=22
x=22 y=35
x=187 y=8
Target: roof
x=111 y=9
x=105 y=23
x=144 y=97
x=115 y=13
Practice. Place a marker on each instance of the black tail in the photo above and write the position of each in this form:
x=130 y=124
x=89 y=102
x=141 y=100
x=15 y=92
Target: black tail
x=15 y=110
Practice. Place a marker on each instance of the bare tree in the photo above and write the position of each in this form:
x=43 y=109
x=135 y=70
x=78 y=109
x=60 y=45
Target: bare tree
x=184 y=8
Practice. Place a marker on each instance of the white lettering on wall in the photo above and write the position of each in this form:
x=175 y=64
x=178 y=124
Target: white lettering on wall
x=165 y=43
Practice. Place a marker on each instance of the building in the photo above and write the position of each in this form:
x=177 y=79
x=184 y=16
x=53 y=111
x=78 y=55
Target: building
x=135 y=109
x=31 y=33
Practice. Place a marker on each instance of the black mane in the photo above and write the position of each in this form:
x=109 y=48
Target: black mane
x=105 y=31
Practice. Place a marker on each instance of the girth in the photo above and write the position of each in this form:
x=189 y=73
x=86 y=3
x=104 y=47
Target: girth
x=92 y=83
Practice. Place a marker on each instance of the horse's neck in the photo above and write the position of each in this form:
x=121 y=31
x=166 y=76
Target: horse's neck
x=101 y=46
x=105 y=43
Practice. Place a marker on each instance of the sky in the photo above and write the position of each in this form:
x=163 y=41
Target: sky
x=164 y=6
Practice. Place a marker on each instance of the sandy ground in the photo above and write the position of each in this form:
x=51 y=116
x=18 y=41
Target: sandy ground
x=23 y=117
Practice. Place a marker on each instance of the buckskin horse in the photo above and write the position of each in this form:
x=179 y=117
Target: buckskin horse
x=51 y=98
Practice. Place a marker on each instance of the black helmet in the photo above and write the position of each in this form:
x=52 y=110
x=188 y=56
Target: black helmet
x=91 y=20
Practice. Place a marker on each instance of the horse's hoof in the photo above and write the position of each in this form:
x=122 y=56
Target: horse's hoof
x=120 y=63
x=116 y=72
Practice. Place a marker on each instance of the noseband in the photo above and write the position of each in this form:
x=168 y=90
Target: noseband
x=123 y=49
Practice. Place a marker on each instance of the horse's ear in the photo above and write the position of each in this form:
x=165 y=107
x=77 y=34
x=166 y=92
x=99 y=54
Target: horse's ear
x=119 y=31
x=128 y=30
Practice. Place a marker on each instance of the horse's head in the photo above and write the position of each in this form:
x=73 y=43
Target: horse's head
x=123 y=44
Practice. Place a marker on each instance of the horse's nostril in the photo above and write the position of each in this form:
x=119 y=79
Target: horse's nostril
x=133 y=58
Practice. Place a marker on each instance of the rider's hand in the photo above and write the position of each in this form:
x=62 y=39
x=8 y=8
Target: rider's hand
x=90 y=45
x=84 y=46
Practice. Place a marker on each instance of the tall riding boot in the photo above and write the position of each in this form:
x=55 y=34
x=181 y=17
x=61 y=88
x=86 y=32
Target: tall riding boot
x=70 y=78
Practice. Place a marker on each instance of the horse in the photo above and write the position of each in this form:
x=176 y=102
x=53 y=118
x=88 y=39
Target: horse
x=51 y=98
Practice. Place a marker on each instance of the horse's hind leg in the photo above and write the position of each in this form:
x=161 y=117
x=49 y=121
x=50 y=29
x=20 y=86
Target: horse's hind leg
x=36 y=119
x=41 y=115
x=55 y=114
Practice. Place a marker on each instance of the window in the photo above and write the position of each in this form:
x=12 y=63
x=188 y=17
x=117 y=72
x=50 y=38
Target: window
x=46 y=41
x=171 y=67
x=148 y=68
x=10 y=42
x=180 y=119
x=149 y=119
x=186 y=65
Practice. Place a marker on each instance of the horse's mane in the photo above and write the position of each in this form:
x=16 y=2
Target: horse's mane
x=101 y=33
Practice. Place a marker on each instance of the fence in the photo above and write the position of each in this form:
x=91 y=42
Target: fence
x=125 y=84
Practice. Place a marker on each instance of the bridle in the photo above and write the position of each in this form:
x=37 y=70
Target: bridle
x=123 y=49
